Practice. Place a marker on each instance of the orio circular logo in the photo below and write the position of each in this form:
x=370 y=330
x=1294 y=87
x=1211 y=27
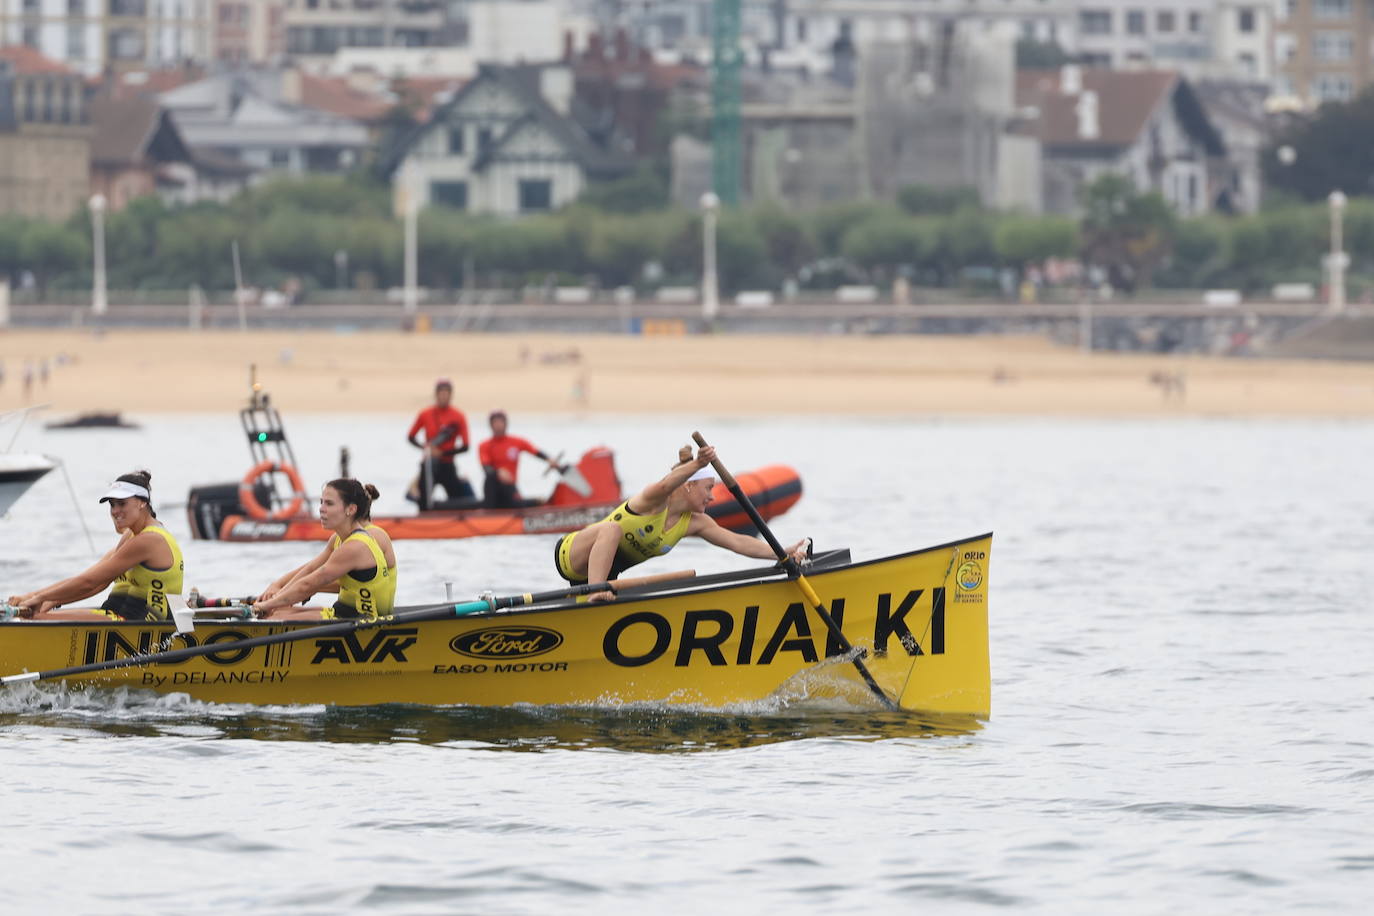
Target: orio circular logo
x=506 y=642
x=969 y=576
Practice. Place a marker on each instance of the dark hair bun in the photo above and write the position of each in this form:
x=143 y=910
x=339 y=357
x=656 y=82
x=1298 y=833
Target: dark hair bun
x=371 y=491
x=142 y=478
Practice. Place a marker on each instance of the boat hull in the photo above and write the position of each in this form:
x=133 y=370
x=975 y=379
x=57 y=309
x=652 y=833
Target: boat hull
x=921 y=617
x=18 y=472
x=773 y=490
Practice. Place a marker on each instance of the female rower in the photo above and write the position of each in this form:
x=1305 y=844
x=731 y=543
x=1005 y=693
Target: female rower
x=358 y=562
x=650 y=523
x=145 y=566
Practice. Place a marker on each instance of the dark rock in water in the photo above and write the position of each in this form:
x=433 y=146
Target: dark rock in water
x=97 y=419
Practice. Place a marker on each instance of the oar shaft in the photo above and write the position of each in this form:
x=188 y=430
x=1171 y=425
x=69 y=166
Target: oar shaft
x=747 y=505
x=794 y=569
x=251 y=642
x=586 y=588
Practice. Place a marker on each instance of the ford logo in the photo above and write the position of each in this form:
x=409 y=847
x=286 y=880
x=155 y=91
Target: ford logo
x=506 y=642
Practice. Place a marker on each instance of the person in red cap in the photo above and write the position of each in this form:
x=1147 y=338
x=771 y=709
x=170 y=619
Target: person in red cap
x=500 y=458
x=446 y=435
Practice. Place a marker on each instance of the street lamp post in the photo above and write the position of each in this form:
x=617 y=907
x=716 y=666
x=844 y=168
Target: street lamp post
x=340 y=269
x=99 y=303
x=1338 y=259
x=710 y=286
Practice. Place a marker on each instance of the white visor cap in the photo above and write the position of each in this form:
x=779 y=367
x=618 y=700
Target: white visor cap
x=706 y=473
x=122 y=489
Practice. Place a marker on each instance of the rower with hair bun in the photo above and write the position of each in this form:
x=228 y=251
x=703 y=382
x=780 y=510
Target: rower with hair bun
x=145 y=566
x=358 y=562
x=651 y=523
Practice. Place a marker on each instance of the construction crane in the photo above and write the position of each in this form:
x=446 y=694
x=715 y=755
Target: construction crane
x=725 y=98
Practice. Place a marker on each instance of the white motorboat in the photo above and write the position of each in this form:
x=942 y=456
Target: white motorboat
x=18 y=472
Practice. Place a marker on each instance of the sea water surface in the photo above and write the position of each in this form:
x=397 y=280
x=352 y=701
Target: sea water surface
x=1181 y=654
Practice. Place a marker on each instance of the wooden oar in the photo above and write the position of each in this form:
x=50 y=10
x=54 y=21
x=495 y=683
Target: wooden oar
x=410 y=615
x=794 y=571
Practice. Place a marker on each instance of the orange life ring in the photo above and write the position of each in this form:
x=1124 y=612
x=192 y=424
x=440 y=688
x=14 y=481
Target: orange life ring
x=250 y=502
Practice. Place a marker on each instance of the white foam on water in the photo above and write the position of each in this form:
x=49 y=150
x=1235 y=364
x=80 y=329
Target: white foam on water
x=127 y=704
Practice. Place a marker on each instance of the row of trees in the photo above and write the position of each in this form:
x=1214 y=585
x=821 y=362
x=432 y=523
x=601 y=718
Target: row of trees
x=297 y=228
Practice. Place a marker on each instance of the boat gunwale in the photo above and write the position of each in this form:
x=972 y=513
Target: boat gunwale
x=758 y=576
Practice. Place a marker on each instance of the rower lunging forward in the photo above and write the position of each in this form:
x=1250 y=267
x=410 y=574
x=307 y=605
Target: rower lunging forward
x=358 y=562
x=145 y=566
x=650 y=523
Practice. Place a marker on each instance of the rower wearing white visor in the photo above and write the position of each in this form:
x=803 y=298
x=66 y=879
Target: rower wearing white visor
x=650 y=524
x=145 y=566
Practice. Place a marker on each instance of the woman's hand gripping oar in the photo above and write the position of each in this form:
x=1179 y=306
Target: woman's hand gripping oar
x=794 y=571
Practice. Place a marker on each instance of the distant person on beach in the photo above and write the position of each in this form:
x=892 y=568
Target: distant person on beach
x=445 y=435
x=145 y=566
x=500 y=458
x=358 y=562
x=650 y=524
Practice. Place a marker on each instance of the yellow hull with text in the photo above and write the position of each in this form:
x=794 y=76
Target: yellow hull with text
x=921 y=619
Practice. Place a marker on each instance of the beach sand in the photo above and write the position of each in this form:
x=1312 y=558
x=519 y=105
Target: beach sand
x=141 y=371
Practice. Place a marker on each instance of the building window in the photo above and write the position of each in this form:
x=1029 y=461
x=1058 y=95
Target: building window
x=1333 y=46
x=29 y=36
x=483 y=139
x=455 y=140
x=1135 y=22
x=1195 y=22
x=1245 y=19
x=76 y=7
x=1095 y=22
x=1332 y=9
x=449 y=194
x=536 y=195
x=1330 y=87
x=125 y=44
x=1247 y=63
x=1164 y=21
x=279 y=157
x=1285 y=47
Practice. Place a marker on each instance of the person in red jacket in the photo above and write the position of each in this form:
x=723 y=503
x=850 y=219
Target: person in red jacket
x=445 y=435
x=500 y=458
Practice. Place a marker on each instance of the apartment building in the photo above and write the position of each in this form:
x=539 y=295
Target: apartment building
x=250 y=31
x=1323 y=49
x=1215 y=39
x=315 y=29
x=1219 y=39
x=92 y=35
x=45 y=136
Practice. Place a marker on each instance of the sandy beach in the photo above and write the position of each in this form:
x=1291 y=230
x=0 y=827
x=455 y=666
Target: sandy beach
x=148 y=371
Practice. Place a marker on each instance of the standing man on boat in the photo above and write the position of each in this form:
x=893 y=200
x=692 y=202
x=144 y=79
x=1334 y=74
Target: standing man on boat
x=446 y=435
x=650 y=524
x=500 y=458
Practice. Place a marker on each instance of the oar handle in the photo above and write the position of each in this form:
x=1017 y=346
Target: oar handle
x=571 y=591
x=641 y=581
x=203 y=603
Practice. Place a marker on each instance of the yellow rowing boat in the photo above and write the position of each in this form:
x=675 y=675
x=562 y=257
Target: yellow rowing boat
x=917 y=621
